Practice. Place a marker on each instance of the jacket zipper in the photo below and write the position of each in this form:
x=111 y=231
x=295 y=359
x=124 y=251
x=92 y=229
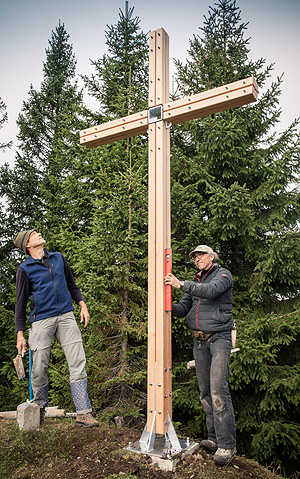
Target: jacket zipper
x=35 y=307
x=55 y=285
x=198 y=304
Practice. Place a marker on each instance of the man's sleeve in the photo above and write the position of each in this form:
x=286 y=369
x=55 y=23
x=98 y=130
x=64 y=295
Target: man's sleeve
x=72 y=286
x=181 y=309
x=217 y=286
x=22 y=293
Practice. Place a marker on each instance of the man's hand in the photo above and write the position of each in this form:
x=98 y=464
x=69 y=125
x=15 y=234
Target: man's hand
x=21 y=343
x=172 y=280
x=84 y=314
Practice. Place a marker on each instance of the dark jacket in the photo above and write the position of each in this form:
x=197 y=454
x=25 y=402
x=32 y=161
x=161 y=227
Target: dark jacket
x=207 y=302
x=50 y=285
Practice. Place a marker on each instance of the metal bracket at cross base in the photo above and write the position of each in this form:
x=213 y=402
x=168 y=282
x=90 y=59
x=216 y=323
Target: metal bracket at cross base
x=166 y=451
x=172 y=443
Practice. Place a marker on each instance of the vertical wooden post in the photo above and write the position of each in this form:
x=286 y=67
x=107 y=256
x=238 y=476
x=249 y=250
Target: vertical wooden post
x=159 y=238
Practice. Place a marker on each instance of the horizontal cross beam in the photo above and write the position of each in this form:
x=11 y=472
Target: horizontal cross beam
x=115 y=130
x=212 y=101
x=225 y=97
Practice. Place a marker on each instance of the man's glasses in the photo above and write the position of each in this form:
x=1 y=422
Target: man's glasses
x=198 y=255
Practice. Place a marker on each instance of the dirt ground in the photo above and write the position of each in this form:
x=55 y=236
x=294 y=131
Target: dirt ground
x=62 y=450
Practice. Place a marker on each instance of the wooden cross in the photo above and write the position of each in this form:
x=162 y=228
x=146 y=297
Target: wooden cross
x=156 y=120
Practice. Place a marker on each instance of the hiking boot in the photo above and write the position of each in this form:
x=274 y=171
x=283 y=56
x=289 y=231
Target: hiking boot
x=86 y=420
x=224 y=456
x=42 y=415
x=209 y=445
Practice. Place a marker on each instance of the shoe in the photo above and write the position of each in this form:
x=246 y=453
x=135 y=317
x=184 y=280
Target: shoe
x=42 y=415
x=224 y=456
x=86 y=420
x=209 y=445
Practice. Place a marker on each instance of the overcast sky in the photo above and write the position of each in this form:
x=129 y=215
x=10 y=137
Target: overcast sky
x=26 y=25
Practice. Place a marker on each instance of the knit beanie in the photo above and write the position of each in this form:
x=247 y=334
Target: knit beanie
x=22 y=238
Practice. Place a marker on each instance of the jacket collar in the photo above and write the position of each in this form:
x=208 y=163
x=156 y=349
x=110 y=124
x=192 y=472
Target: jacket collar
x=30 y=259
x=208 y=270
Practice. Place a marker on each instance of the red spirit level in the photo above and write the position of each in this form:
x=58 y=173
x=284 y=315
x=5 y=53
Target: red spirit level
x=168 y=287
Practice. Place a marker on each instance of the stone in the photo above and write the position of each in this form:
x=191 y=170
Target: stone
x=28 y=416
x=119 y=420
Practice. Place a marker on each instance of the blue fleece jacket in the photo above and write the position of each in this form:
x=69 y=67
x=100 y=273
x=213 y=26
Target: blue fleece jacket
x=49 y=284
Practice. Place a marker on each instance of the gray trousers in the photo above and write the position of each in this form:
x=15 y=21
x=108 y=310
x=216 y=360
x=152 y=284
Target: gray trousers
x=66 y=331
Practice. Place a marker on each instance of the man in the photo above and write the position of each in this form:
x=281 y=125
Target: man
x=47 y=279
x=207 y=306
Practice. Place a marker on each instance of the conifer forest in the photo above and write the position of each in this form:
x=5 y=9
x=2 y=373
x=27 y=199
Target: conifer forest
x=234 y=186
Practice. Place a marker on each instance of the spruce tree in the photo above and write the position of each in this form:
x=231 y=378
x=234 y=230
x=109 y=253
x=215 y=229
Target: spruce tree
x=119 y=79
x=6 y=229
x=109 y=256
x=3 y=119
x=233 y=187
x=48 y=127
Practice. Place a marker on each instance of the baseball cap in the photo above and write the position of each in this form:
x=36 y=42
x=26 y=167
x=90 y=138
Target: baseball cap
x=203 y=248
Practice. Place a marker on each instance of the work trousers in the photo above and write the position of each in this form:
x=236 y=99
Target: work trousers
x=66 y=331
x=212 y=367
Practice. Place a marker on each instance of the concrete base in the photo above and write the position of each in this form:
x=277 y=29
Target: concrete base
x=28 y=416
x=163 y=457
